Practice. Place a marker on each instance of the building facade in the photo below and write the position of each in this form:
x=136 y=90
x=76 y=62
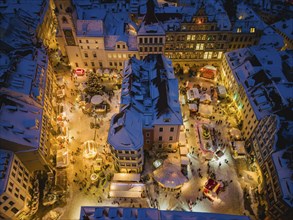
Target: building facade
x=191 y=36
x=149 y=95
x=17 y=196
x=259 y=89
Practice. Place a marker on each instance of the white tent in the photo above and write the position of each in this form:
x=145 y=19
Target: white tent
x=169 y=176
x=192 y=107
x=192 y=94
x=96 y=99
x=222 y=91
x=183 y=151
x=126 y=177
x=205 y=98
x=126 y=190
x=209 y=67
x=205 y=110
x=184 y=161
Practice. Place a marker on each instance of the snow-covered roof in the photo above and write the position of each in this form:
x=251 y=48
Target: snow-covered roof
x=119 y=27
x=282 y=160
x=246 y=19
x=216 y=12
x=259 y=71
x=6 y=158
x=20 y=123
x=150 y=24
x=17 y=30
x=90 y=13
x=286 y=27
x=29 y=75
x=104 y=212
x=150 y=86
x=4 y=65
x=89 y=6
x=125 y=131
x=37 y=10
x=89 y=28
x=271 y=38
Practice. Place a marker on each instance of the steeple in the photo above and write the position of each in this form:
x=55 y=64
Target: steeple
x=150 y=16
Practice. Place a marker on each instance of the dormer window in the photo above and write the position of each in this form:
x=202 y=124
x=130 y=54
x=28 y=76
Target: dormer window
x=252 y=30
x=239 y=30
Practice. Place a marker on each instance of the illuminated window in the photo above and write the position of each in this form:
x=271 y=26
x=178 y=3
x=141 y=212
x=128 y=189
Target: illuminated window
x=124 y=55
x=110 y=56
x=252 y=30
x=207 y=55
x=193 y=37
x=119 y=56
x=199 y=46
x=188 y=37
x=239 y=30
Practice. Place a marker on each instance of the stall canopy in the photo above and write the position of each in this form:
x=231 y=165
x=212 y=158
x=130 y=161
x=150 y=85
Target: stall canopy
x=205 y=98
x=169 y=176
x=97 y=99
x=184 y=161
x=222 y=91
x=183 y=151
x=205 y=110
x=126 y=177
x=192 y=107
x=126 y=190
x=192 y=94
x=208 y=71
x=62 y=158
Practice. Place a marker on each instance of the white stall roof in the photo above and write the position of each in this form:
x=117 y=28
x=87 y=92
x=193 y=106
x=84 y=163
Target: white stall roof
x=183 y=151
x=184 y=160
x=126 y=177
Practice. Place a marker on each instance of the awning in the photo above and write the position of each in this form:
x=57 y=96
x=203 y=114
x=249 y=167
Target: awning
x=126 y=190
x=126 y=177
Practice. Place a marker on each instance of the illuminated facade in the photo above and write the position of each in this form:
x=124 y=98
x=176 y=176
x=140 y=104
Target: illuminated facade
x=104 y=36
x=46 y=30
x=17 y=196
x=260 y=90
x=95 y=37
x=151 y=34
